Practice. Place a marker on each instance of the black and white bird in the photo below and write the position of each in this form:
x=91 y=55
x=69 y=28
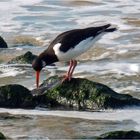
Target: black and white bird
x=67 y=46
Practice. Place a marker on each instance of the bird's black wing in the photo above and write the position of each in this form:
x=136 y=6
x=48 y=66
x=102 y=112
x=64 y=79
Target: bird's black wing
x=71 y=38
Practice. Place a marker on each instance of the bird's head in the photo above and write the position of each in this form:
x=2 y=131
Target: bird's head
x=37 y=65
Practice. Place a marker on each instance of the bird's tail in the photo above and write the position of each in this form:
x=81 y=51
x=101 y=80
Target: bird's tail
x=107 y=28
x=111 y=29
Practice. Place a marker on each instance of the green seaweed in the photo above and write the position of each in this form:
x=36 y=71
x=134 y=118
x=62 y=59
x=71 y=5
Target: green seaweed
x=15 y=96
x=26 y=58
x=84 y=94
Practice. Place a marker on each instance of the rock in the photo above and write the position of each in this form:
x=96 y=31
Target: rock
x=7 y=116
x=3 y=44
x=47 y=102
x=120 y=135
x=2 y=136
x=83 y=94
x=26 y=58
x=16 y=96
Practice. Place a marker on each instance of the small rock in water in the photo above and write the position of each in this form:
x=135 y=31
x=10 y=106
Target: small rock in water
x=16 y=96
x=3 y=44
x=7 y=116
x=120 y=135
x=26 y=58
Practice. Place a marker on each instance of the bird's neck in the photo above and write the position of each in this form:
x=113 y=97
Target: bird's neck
x=49 y=58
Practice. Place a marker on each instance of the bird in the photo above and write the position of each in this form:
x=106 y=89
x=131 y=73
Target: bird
x=67 y=46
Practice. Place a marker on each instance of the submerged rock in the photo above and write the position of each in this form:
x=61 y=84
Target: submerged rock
x=85 y=95
x=16 y=96
x=120 y=135
x=3 y=44
x=7 y=116
x=26 y=58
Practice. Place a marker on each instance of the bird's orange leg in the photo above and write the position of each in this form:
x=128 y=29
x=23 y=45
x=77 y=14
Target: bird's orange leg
x=74 y=64
x=68 y=76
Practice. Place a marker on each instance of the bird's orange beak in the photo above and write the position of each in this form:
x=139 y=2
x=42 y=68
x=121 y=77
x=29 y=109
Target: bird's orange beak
x=37 y=78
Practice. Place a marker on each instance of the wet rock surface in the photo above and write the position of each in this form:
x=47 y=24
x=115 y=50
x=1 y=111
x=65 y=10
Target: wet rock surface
x=82 y=94
x=16 y=96
x=120 y=135
x=26 y=58
x=77 y=94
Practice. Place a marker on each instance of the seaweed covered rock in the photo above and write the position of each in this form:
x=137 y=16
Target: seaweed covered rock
x=120 y=135
x=3 y=44
x=26 y=58
x=2 y=136
x=47 y=102
x=86 y=95
x=16 y=96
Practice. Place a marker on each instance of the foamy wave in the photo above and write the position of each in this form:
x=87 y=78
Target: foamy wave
x=7 y=71
x=26 y=2
x=14 y=6
x=118 y=68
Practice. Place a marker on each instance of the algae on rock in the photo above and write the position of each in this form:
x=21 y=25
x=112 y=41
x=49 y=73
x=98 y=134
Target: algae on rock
x=79 y=94
x=16 y=96
x=87 y=95
x=26 y=58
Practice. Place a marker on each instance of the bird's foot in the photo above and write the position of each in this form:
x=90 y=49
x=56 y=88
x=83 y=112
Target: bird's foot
x=66 y=78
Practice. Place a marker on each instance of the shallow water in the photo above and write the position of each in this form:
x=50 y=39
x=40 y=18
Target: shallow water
x=45 y=124
x=114 y=60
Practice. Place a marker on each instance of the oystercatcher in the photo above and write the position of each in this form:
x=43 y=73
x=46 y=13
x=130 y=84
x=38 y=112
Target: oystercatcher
x=67 y=46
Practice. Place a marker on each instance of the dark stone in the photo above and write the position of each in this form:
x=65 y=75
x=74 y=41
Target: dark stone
x=2 y=136
x=8 y=116
x=120 y=135
x=3 y=44
x=26 y=58
x=47 y=102
x=16 y=96
x=83 y=94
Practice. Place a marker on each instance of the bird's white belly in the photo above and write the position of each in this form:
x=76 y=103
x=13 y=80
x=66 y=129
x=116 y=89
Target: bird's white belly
x=72 y=53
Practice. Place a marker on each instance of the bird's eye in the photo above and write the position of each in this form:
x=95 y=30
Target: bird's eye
x=43 y=63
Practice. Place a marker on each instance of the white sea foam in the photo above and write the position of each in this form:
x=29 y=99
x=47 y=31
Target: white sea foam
x=26 y=2
x=10 y=72
x=122 y=51
x=126 y=88
x=7 y=71
x=117 y=68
